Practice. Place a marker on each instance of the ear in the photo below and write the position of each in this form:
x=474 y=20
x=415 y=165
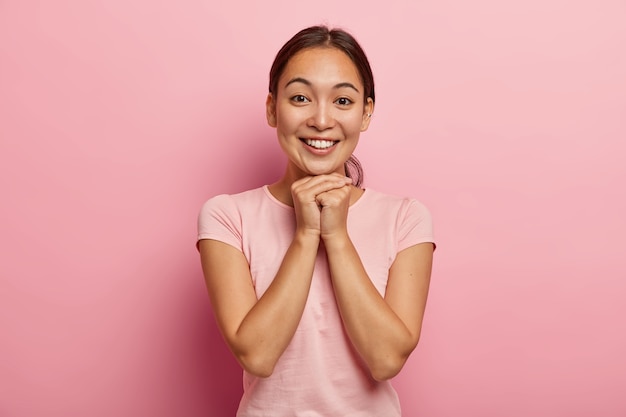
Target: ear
x=368 y=110
x=270 y=110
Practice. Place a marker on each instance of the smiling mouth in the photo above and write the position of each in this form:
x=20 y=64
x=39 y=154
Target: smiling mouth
x=319 y=143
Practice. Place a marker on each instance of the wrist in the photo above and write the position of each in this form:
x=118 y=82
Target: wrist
x=336 y=240
x=307 y=237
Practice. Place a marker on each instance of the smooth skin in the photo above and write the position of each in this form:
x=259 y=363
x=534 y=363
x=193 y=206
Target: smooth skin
x=320 y=96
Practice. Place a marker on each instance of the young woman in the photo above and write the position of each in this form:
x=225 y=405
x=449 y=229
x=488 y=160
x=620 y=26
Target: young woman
x=318 y=285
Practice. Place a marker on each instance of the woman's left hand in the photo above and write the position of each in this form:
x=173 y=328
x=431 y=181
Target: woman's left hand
x=334 y=206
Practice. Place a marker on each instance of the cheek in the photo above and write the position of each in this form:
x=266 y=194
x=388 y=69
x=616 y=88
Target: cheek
x=353 y=123
x=286 y=119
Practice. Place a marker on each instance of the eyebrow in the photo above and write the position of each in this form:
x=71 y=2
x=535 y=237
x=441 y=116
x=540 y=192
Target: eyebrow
x=308 y=83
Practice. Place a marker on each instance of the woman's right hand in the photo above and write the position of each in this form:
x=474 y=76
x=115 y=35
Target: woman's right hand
x=304 y=192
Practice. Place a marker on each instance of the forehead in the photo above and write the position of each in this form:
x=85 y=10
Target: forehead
x=321 y=65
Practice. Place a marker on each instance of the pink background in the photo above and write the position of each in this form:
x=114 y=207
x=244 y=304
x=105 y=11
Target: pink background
x=119 y=118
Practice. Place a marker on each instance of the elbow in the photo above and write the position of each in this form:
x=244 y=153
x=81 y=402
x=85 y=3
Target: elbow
x=389 y=365
x=257 y=366
x=261 y=372
x=387 y=369
x=254 y=360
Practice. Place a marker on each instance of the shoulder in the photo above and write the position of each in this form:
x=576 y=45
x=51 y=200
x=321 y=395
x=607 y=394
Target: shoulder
x=220 y=217
x=229 y=208
x=410 y=218
x=232 y=202
x=399 y=205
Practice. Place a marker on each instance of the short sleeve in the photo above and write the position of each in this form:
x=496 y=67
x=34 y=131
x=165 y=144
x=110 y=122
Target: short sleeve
x=220 y=219
x=415 y=225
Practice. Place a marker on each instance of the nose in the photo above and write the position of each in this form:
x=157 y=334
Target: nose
x=322 y=117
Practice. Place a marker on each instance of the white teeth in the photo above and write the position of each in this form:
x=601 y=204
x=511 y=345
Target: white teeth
x=319 y=144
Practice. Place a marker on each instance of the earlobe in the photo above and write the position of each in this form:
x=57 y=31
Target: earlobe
x=368 y=110
x=270 y=110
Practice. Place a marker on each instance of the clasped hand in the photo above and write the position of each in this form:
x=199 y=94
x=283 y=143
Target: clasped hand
x=321 y=204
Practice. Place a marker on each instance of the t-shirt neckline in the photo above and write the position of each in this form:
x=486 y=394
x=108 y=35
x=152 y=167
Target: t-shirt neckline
x=288 y=207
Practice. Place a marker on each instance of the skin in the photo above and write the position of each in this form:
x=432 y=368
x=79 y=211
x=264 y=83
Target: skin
x=320 y=95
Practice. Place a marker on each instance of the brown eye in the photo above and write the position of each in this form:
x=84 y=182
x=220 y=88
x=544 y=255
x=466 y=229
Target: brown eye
x=343 y=101
x=299 y=98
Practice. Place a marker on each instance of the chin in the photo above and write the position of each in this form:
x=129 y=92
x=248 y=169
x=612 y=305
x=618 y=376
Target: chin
x=315 y=172
x=315 y=169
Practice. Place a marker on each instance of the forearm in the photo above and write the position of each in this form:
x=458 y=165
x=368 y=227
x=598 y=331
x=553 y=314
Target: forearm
x=377 y=332
x=267 y=329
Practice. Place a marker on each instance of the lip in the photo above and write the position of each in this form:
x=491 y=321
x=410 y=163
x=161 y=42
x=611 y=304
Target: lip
x=316 y=151
x=318 y=138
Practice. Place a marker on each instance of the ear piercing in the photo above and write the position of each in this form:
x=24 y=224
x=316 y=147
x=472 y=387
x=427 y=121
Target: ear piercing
x=369 y=114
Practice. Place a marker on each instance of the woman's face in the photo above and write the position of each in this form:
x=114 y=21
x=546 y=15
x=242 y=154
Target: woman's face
x=318 y=111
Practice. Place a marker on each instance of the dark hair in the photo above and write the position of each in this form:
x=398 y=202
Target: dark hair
x=322 y=36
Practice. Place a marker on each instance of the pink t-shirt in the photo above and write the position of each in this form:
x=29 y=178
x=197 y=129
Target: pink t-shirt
x=319 y=374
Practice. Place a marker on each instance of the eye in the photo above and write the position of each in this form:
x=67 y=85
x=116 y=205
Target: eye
x=343 y=101
x=299 y=98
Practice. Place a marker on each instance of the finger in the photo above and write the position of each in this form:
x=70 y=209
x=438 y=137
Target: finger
x=319 y=185
x=335 y=175
x=334 y=197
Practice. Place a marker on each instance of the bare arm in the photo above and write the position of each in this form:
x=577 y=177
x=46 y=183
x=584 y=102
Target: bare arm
x=383 y=330
x=258 y=331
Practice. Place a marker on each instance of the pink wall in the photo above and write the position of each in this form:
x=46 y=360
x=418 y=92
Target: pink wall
x=119 y=118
